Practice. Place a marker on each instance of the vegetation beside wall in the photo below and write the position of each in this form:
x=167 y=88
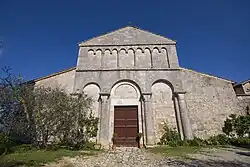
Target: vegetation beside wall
x=42 y=119
x=236 y=132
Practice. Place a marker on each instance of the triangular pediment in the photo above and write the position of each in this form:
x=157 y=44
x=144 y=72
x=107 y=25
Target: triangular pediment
x=128 y=36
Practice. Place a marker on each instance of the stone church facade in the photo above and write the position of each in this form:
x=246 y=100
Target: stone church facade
x=137 y=86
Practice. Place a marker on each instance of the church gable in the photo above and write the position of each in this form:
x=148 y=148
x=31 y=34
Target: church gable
x=128 y=36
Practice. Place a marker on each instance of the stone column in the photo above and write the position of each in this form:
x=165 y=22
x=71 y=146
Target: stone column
x=104 y=119
x=184 y=116
x=178 y=116
x=99 y=116
x=149 y=119
x=143 y=119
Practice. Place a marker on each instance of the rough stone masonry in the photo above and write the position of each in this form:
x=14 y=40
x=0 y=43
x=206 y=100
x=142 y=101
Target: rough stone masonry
x=133 y=67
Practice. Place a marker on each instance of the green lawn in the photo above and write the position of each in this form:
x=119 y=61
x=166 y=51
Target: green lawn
x=177 y=152
x=38 y=157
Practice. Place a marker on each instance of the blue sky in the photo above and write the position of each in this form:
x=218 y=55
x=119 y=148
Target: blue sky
x=40 y=37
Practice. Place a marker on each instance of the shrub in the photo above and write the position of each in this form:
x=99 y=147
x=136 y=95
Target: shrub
x=87 y=146
x=241 y=141
x=22 y=148
x=237 y=126
x=170 y=137
x=236 y=129
x=5 y=143
x=220 y=139
x=196 y=142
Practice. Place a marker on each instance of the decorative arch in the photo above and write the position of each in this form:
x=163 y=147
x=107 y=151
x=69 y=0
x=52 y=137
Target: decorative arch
x=126 y=81
x=126 y=58
x=131 y=50
x=93 y=90
x=94 y=83
x=143 y=57
x=147 y=48
x=163 y=106
x=156 y=48
x=123 y=49
x=98 y=50
x=114 y=50
x=108 y=50
x=164 y=52
x=125 y=90
x=91 y=50
x=166 y=82
x=125 y=93
x=139 y=48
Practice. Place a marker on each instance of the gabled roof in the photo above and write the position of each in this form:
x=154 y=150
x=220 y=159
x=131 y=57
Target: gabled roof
x=208 y=75
x=128 y=35
x=54 y=74
x=243 y=82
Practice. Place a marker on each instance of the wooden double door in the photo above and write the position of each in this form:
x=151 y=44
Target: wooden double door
x=126 y=125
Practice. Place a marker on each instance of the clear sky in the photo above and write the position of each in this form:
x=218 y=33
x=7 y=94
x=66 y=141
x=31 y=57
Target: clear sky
x=40 y=37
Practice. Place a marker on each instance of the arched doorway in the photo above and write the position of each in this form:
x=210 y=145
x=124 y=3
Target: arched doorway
x=124 y=107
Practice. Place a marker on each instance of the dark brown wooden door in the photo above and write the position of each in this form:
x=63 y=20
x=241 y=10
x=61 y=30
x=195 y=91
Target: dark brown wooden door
x=126 y=125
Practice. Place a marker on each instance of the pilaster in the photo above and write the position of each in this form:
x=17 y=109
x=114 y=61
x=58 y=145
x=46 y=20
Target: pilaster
x=149 y=119
x=178 y=117
x=188 y=135
x=104 y=119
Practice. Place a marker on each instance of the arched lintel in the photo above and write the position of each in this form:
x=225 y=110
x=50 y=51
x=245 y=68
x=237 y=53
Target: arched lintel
x=147 y=48
x=131 y=50
x=131 y=82
x=123 y=49
x=156 y=48
x=90 y=83
x=166 y=82
x=164 y=48
x=139 y=48
x=108 y=50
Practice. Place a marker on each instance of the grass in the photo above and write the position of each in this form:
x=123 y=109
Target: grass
x=177 y=152
x=38 y=157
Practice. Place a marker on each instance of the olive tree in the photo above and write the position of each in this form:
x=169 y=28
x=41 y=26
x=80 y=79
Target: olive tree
x=42 y=115
x=62 y=118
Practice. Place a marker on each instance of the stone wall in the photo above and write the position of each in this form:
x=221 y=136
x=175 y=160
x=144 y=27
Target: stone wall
x=126 y=57
x=163 y=108
x=243 y=103
x=112 y=66
x=127 y=48
x=210 y=100
x=63 y=80
x=143 y=78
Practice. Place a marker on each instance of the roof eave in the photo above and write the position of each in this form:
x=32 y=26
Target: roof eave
x=83 y=43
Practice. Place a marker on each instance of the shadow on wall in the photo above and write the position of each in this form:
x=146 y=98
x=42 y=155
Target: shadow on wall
x=207 y=163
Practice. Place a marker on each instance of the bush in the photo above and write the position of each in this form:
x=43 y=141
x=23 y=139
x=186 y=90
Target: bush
x=240 y=142
x=5 y=143
x=87 y=146
x=170 y=137
x=220 y=139
x=22 y=148
x=196 y=142
x=54 y=147
x=237 y=126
